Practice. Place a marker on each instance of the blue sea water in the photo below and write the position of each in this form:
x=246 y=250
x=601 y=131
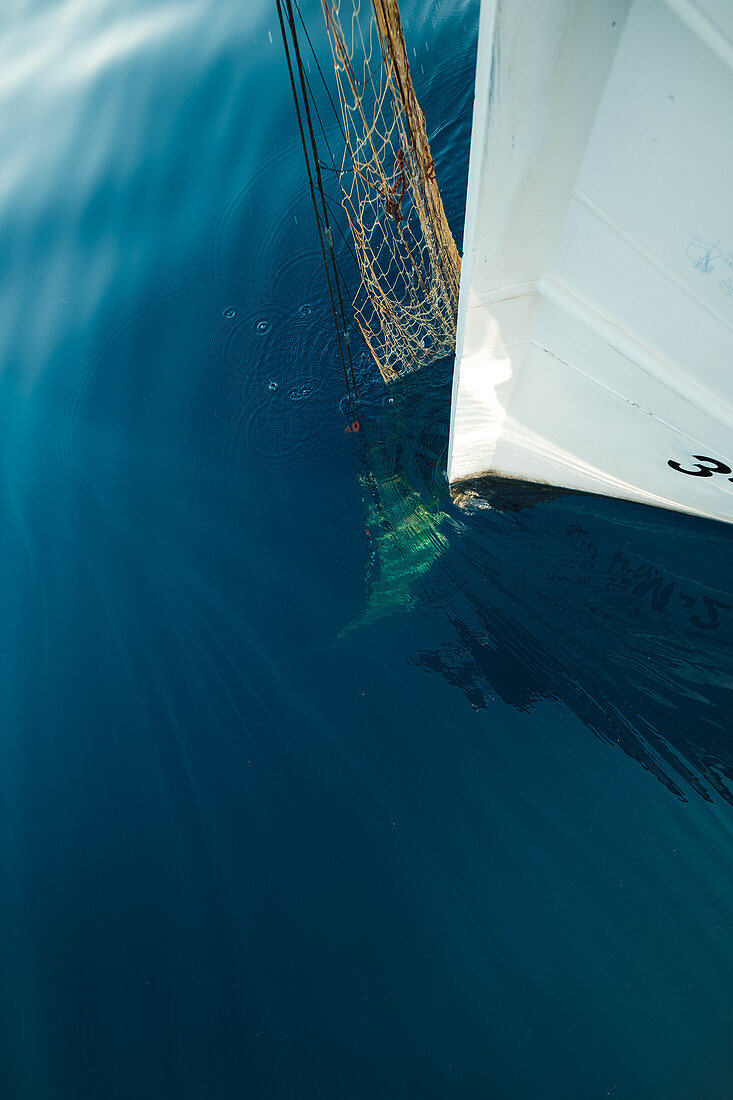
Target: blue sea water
x=312 y=783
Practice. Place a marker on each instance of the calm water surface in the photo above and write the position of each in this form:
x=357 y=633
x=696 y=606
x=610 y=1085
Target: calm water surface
x=313 y=784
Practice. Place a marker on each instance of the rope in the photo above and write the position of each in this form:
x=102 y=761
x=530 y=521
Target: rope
x=317 y=162
x=351 y=393
x=320 y=70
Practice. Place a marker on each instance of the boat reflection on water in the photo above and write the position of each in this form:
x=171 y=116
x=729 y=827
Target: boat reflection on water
x=621 y=612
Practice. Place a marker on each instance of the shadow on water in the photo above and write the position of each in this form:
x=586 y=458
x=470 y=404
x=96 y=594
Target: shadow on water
x=547 y=596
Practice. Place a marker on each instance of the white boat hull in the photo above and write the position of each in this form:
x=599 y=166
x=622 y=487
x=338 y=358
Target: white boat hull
x=595 y=327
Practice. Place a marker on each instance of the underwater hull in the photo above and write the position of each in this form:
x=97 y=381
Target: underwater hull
x=595 y=326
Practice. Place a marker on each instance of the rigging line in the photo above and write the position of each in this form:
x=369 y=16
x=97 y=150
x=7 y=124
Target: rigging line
x=320 y=70
x=327 y=168
x=313 y=193
x=344 y=279
x=337 y=209
x=323 y=131
x=316 y=158
x=346 y=240
x=317 y=161
x=312 y=99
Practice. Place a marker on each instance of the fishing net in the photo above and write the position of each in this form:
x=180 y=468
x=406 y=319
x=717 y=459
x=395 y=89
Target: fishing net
x=407 y=299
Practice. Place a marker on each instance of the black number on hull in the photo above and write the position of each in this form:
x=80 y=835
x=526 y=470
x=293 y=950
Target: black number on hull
x=713 y=467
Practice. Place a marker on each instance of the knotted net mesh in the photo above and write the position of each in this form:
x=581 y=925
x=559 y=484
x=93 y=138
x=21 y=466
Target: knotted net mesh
x=407 y=300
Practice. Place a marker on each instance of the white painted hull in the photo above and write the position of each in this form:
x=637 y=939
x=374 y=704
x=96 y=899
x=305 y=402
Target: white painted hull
x=595 y=325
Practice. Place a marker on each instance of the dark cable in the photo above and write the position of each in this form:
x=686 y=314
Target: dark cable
x=323 y=79
x=317 y=161
x=313 y=195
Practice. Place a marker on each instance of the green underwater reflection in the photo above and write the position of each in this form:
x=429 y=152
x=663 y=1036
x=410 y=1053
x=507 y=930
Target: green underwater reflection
x=405 y=523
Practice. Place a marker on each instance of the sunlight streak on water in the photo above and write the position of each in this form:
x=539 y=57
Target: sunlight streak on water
x=313 y=783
